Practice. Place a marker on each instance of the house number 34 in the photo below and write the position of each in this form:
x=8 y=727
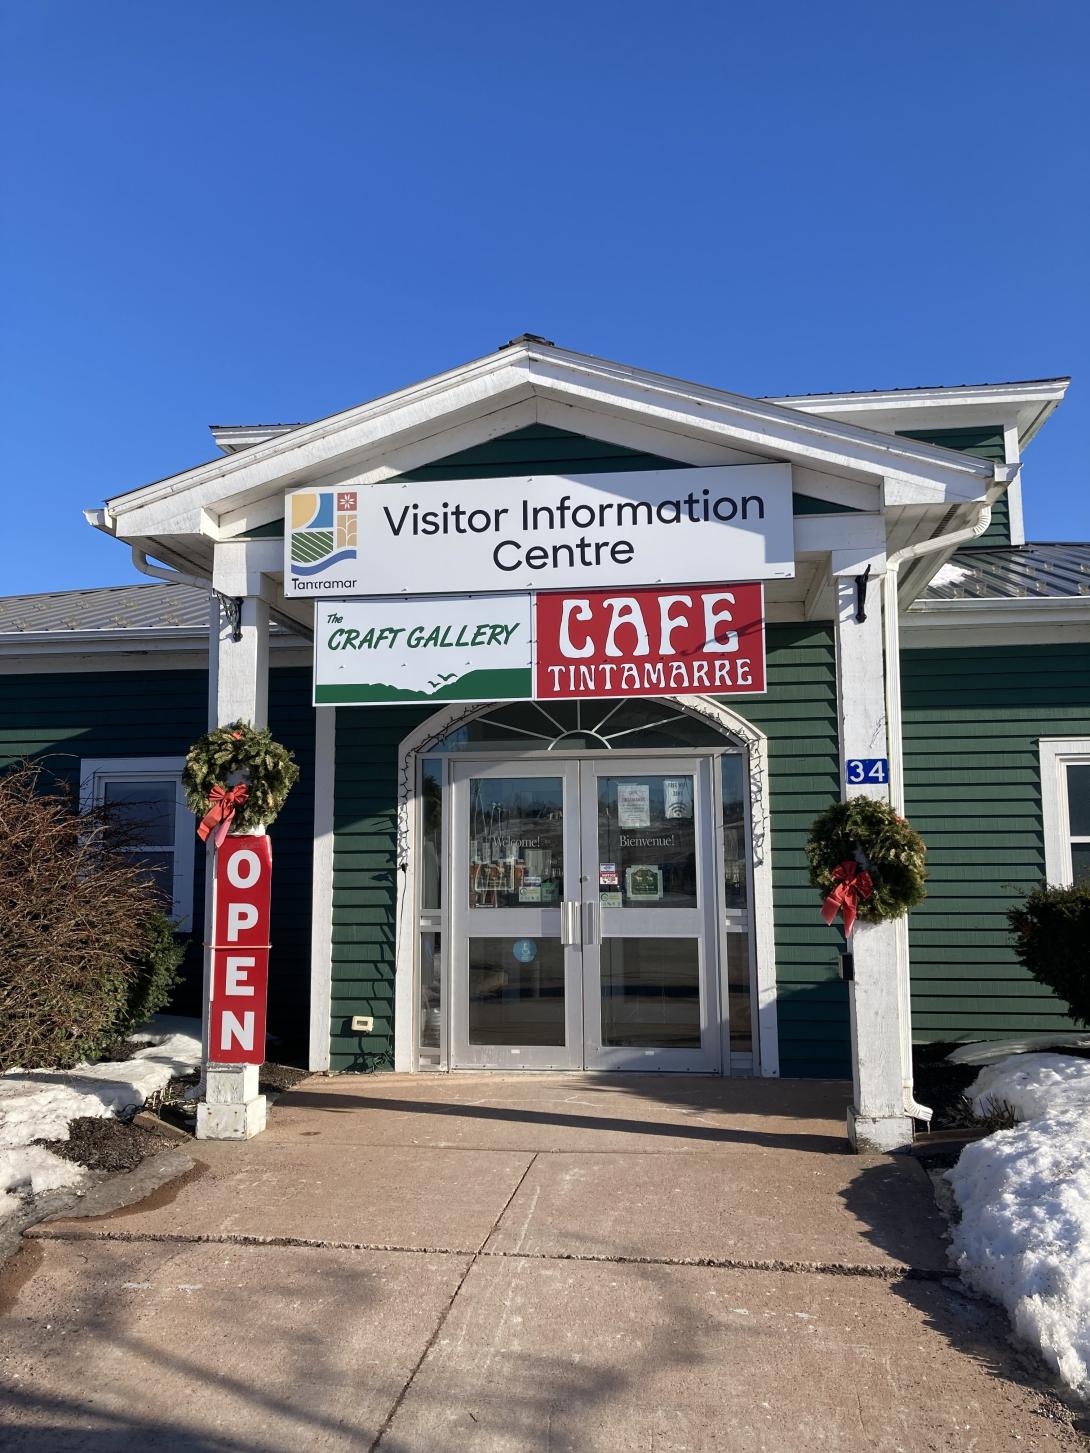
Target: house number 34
x=867 y=769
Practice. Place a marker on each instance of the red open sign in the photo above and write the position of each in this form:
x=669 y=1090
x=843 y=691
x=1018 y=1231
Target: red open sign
x=242 y=897
x=689 y=639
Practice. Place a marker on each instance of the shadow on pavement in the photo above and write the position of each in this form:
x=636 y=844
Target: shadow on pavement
x=81 y=1428
x=972 y=1325
x=461 y=1110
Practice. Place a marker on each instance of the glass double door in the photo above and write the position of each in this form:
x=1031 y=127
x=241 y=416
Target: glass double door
x=583 y=915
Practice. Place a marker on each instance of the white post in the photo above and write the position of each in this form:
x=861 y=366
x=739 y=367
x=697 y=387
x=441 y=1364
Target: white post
x=231 y=1107
x=876 y=1119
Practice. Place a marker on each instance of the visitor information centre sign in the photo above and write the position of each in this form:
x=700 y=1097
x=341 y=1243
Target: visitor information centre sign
x=547 y=646
x=542 y=532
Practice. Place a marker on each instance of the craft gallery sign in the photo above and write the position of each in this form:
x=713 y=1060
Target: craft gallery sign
x=547 y=646
x=541 y=532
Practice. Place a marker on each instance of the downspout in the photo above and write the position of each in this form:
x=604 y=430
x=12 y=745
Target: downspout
x=891 y=631
x=162 y=572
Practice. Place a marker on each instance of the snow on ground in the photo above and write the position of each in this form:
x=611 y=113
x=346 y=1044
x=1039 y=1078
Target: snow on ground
x=40 y=1104
x=1033 y=1084
x=1024 y=1197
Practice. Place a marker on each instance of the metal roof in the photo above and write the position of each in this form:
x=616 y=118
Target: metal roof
x=1053 y=570
x=108 y=608
x=918 y=388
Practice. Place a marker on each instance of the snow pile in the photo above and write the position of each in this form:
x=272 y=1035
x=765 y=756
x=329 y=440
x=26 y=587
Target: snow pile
x=1024 y=1196
x=28 y=1170
x=949 y=574
x=40 y=1104
x=1033 y=1084
x=991 y=1051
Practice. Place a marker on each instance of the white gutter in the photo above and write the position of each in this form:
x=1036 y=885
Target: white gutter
x=162 y=572
x=891 y=632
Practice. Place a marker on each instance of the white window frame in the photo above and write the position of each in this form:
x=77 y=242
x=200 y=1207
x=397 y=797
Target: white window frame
x=1057 y=754
x=95 y=772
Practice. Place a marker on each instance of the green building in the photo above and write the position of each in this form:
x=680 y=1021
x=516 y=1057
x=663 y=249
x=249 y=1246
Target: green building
x=608 y=879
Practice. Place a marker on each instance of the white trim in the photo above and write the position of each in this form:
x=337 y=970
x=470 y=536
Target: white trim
x=1034 y=390
x=95 y=772
x=231 y=438
x=321 y=890
x=1012 y=453
x=761 y=907
x=1055 y=755
x=192 y=502
x=997 y=622
x=1026 y=406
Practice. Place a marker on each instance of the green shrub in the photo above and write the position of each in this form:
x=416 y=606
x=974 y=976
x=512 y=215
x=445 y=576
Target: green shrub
x=83 y=941
x=1051 y=933
x=155 y=976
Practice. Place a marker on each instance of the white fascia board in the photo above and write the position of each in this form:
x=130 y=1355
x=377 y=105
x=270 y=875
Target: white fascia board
x=232 y=438
x=175 y=504
x=163 y=638
x=1025 y=405
x=171 y=649
x=1062 y=620
x=1040 y=607
x=143 y=638
x=826 y=445
x=350 y=441
x=816 y=534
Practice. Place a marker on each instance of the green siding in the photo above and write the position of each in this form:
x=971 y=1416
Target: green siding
x=799 y=717
x=986 y=442
x=365 y=868
x=972 y=721
x=62 y=718
x=538 y=449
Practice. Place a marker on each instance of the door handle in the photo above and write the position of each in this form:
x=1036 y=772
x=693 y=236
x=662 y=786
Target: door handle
x=591 y=936
x=569 y=923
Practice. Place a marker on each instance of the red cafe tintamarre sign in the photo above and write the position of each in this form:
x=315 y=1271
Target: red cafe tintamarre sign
x=240 y=950
x=652 y=642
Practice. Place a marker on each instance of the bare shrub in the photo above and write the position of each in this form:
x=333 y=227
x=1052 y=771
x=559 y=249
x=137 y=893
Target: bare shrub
x=78 y=919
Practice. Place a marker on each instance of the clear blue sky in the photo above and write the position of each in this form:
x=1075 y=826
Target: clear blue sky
x=262 y=210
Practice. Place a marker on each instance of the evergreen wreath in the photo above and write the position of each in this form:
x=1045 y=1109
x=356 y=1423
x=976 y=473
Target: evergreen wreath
x=231 y=757
x=862 y=850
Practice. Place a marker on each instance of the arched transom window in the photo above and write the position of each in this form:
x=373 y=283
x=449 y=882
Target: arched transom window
x=581 y=726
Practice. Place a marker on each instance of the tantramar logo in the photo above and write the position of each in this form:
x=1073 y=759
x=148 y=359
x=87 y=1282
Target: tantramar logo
x=323 y=530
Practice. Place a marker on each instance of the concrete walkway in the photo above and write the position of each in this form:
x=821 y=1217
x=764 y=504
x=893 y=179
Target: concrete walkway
x=569 y=1263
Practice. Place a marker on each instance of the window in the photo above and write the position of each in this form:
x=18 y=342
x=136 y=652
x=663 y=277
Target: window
x=145 y=795
x=1065 y=802
x=596 y=726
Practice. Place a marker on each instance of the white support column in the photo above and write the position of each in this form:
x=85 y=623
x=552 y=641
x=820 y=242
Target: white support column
x=242 y=663
x=321 y=916
x=876 y=1119
x=231 y=1107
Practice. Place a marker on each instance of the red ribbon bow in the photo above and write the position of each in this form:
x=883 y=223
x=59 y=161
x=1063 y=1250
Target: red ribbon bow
x=852 y=884
x=224 y=802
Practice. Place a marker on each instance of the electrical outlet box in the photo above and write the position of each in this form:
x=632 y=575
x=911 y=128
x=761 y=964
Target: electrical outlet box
x=363 y=1023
